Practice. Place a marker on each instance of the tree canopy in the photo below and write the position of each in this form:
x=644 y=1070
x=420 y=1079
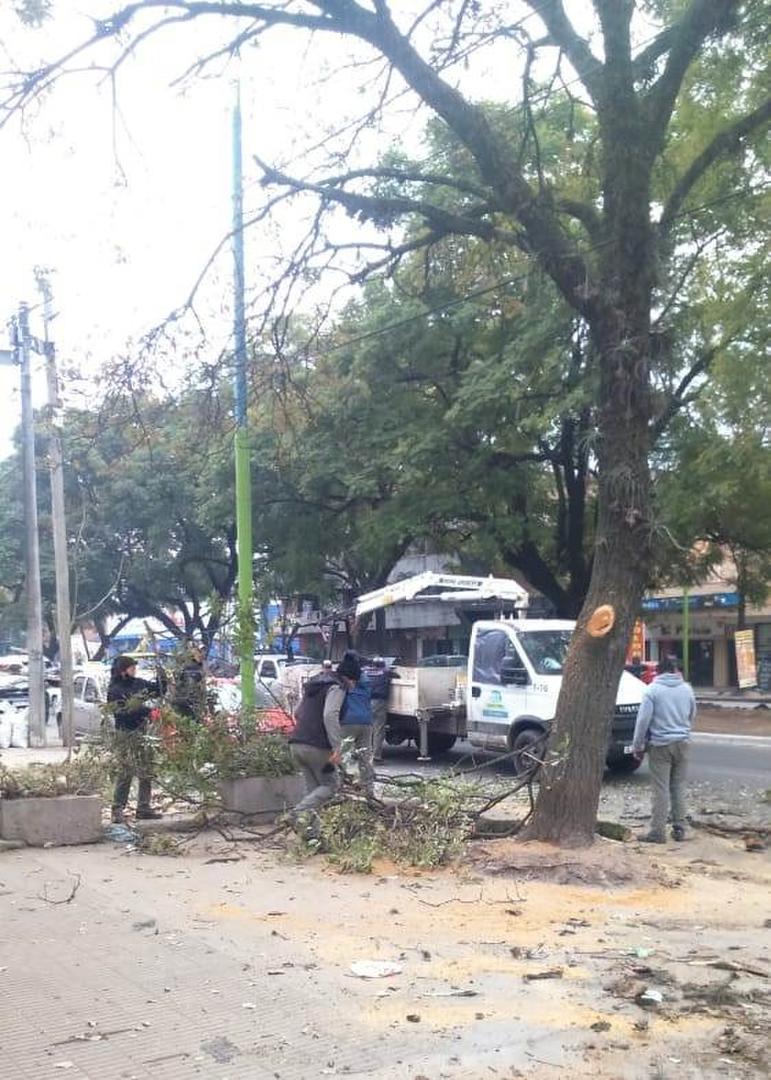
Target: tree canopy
x=611 y=174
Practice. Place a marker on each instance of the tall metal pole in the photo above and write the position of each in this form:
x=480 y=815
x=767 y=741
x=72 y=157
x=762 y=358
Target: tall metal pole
x=37 y=716
x=686 y=633
x=58 y=521
x=243 y=472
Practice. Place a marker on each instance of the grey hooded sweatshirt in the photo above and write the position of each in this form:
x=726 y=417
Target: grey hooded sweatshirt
x=666 y=713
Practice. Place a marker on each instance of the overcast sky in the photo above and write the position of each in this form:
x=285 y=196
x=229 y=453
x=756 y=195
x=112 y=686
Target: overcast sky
x=126 y=202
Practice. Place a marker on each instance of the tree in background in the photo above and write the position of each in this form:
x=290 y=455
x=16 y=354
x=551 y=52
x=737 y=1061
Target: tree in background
x=617 y=232
x=149 y=519
x=715 y=492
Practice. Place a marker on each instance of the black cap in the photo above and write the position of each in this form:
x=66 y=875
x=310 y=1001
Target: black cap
x=350 y=666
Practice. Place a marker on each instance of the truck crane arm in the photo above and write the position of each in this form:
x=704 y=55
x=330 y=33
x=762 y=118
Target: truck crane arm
x=450 y=588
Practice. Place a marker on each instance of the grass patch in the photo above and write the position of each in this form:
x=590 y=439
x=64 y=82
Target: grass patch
x=86 y=773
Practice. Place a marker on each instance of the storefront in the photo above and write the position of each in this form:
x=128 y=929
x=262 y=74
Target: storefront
x=763 y=653
x=710 y=624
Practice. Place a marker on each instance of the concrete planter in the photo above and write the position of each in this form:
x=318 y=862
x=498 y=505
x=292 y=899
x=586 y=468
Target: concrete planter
x=64 y=819
x=264 y=797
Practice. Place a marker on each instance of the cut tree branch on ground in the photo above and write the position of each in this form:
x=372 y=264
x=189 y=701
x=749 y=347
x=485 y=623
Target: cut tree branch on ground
x=64 y=899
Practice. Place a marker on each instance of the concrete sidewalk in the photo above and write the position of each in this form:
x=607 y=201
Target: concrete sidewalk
x=117 y=985
x=119 y=966
x=17 y=758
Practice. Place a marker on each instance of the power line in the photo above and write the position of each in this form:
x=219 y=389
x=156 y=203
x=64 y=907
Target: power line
x=505 y=282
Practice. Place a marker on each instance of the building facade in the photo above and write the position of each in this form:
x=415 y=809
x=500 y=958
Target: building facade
x=710 y=625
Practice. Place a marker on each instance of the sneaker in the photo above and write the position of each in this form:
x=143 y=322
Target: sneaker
x=678 y=833
x=652 y=838
x=146 y=813
x=307 y=825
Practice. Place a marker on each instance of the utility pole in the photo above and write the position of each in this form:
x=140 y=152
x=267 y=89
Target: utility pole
x=58 y=520
x=243 y=469
x=37 y=713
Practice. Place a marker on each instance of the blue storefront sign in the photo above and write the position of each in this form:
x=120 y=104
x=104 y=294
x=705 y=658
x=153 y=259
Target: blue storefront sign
x=696 y=602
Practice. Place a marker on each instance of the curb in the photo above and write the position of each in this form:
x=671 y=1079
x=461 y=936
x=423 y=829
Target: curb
x=745 y=704
x=762 y=741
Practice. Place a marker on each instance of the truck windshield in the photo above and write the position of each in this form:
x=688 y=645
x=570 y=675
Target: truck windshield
x=546 y=649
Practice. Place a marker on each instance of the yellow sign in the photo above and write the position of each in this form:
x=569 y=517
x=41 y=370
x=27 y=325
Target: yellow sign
x=637 y=644
x=744 y=641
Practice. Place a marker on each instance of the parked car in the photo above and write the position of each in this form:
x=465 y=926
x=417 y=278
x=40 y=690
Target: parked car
x=444 y=660
x=271 y=714
x=89 y=696
x=269 y=667
x=17 y=663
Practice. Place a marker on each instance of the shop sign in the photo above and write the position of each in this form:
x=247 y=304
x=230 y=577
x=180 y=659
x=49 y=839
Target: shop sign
x=675 y=630
x=744 y=641
x=637 y=644
x=696 y=602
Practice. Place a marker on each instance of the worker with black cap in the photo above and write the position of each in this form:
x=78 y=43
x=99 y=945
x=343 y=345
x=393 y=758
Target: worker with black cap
x=316 y=740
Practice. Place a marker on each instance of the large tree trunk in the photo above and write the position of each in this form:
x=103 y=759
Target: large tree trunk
x=619 y=321
x=566 y=810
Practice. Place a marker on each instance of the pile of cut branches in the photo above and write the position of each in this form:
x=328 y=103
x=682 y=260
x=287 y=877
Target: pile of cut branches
x=415 y=822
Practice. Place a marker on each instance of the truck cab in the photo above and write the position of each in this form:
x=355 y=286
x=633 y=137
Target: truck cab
x=514 y=676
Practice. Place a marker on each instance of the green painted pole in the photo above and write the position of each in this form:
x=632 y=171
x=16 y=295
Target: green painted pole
x=244 y=548
x=243 y=469
x=686 y=633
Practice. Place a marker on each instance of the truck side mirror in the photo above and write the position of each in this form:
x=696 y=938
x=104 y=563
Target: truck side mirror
x=513 y=673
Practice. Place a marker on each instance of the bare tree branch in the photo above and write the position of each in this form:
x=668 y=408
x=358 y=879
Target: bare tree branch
x=586 y=214
x=417 y=177
x=588 y=68
x=726 y=142
x=677 y=398
x=702 y=20
x=383 y=209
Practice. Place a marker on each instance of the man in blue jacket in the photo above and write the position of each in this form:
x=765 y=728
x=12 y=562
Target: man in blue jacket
x=380 y=682
x=663 y=728
x=356 y=719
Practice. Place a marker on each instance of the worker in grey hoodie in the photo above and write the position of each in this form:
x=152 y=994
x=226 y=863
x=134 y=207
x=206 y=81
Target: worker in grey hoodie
x=663 y=728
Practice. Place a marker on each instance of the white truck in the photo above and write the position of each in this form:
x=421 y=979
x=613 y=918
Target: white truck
x=506 y=697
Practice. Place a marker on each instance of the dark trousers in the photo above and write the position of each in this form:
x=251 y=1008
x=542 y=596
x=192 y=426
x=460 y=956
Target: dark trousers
x=668 y=765
x=133 y=756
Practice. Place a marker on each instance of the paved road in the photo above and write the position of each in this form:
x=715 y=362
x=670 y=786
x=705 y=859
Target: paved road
x=728 y=761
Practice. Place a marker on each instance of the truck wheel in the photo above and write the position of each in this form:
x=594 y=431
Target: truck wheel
x=440 y=743
x=624 y=765
x=527 y=743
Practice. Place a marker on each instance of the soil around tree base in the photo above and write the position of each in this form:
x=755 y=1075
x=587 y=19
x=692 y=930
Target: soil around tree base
x=606 y=862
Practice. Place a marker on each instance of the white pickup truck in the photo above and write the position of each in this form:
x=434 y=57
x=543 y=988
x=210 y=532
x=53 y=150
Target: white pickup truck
x=505 y=699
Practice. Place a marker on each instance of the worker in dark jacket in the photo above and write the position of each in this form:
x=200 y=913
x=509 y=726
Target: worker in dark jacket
x=316 y=740
x=189 y=696
x=128 y=697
